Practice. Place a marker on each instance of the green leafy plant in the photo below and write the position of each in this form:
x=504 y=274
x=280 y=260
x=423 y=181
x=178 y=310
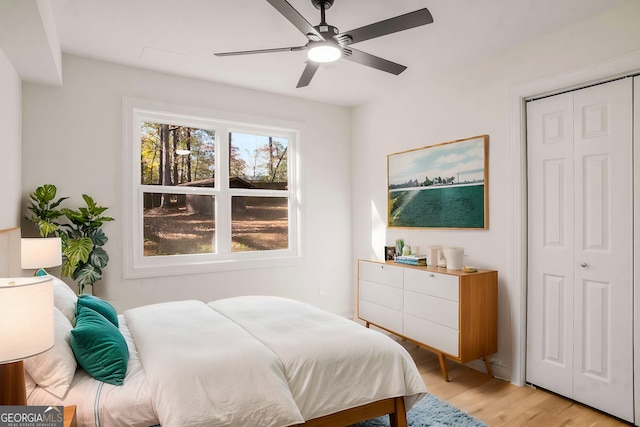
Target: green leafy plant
x=83 y=255
x=43 y=209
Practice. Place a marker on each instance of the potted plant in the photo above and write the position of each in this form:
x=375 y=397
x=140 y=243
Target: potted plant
x=83 y=255
x=43 y=209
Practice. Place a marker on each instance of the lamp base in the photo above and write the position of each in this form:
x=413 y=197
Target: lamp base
x=12 y=388
x=40 y=272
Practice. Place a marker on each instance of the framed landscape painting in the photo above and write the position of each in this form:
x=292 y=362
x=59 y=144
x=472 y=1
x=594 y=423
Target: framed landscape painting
x=440 y=186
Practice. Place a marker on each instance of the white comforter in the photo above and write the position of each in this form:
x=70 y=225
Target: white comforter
x=263 y=361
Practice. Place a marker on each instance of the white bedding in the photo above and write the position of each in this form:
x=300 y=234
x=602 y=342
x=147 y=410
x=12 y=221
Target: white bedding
x=245 y=361
x=128 y=405
x=203 y=369
x=322 y=355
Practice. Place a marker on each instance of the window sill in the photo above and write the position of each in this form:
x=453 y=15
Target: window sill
x=169 y=265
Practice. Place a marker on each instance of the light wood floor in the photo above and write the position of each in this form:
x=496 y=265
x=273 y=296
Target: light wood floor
x=499 y=403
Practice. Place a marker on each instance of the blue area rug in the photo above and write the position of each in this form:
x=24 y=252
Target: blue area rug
x=430 y=412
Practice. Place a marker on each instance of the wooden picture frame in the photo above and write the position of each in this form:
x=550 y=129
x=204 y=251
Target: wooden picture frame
x=442 y=186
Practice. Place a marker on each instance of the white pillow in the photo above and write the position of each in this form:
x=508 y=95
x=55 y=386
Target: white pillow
x=54 y=369
x=64 y=299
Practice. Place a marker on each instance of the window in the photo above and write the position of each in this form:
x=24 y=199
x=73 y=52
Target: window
x=206 y=193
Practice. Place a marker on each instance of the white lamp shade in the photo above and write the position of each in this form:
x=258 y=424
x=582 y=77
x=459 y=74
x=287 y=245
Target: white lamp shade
x=40 y=252
x=26 y=317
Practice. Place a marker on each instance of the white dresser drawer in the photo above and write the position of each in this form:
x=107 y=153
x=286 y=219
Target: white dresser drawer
x=385 y=295
x=432 y=334
x=380 y=273
x=380 y=315
x=427 y=307
x=429 y=283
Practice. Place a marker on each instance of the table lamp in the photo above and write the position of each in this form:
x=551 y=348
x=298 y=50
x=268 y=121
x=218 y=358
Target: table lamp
x=39 y=253
x=26 y=329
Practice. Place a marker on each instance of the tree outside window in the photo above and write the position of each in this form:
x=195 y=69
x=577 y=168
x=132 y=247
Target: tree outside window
x=179 y=157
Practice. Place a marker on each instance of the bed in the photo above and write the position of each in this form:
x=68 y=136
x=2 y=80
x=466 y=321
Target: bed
x=243 y=361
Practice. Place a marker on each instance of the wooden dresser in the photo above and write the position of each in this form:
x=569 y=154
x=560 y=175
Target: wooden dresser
x=451 y=313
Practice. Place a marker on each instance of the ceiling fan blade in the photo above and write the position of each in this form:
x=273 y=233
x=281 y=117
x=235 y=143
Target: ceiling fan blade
x=373 y=61
x=388 y=26
x=273 y=50
x=295 y=18
x=308 y=73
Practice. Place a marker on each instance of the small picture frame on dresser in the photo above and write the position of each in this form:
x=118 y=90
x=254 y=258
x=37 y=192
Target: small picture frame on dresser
x=389 y=253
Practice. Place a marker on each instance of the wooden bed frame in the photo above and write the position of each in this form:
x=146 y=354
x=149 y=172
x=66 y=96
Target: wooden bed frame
x=393 y=406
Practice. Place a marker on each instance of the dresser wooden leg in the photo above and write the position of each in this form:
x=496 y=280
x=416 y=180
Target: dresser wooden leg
x=487 y=363
x=443 y=367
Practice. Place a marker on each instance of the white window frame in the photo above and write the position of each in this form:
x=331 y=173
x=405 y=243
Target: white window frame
x=136 y=265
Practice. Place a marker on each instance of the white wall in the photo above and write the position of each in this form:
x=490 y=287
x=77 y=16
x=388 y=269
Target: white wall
x=466 y=102
x=73 y=139
x=11 y=143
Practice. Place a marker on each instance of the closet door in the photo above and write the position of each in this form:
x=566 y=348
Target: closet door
x=550 y=243
x=603 y=372
x=580 y=309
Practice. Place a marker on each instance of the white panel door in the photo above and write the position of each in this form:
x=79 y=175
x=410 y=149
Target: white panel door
x=550 y=237
x=580 y=290
x=603 y=369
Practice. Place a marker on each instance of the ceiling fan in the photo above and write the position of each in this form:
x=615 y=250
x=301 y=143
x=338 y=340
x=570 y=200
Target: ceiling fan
x=327 y=44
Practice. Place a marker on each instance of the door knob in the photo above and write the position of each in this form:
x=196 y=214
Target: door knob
x=583 y=264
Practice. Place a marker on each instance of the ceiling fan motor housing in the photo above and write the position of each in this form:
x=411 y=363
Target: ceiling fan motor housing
x=327 y=31
x=320 y=3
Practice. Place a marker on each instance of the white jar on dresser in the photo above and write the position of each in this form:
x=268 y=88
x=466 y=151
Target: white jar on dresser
x=449 y=312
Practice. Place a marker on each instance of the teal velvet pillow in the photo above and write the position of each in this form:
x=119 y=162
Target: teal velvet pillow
x=99 y=305
x=99 y=347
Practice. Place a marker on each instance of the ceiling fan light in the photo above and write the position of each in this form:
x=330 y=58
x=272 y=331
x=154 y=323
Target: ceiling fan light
x=324 y=53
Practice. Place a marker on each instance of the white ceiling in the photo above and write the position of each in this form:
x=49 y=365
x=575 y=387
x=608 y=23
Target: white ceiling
x=180 y=36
